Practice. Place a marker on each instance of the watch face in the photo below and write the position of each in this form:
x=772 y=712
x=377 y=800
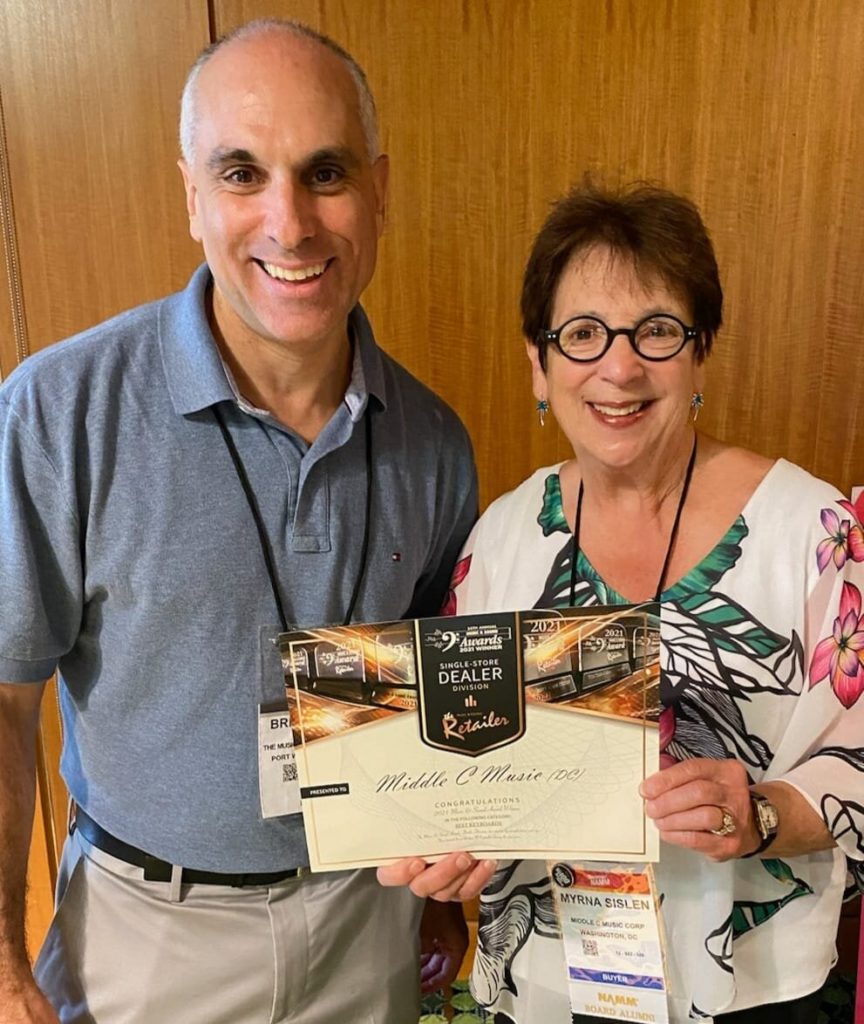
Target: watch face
x=766 y=816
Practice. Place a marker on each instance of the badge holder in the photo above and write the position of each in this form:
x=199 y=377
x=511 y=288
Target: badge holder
x=277 y=762
x=613 y=940
x=277 y=759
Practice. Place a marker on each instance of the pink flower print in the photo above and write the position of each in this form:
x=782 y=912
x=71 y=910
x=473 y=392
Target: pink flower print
x=836 y=545
x=840 y=656
x=856 y=532
x=667 y=732
x=459 y=574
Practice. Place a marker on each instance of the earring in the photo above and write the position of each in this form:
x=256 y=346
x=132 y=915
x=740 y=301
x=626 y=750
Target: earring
x=542 y=409
x=696 y=403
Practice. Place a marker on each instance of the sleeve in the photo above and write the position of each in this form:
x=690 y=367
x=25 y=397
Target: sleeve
x=469 y=584
x=456 y=512
x=830 y=717
x=40 y=557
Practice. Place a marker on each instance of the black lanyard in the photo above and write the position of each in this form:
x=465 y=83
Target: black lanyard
x=688 y=476
x=263 y=540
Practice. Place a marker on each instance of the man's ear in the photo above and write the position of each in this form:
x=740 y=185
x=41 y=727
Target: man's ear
x=381 y=181
x=191 y=199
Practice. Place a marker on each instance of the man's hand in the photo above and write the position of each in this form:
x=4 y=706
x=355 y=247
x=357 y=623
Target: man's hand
x=443 y=943
x=21 y=1002
x=458 y=876
x=688 y=800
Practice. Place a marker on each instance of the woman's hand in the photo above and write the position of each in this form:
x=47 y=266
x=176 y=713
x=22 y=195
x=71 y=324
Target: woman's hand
x=458 y=876
x=690 y=802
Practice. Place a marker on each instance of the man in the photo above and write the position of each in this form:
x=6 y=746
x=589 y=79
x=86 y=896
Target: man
x=176 y=485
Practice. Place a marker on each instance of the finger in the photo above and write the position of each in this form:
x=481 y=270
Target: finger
x=446 y=893
x=696 y=819
x=695 y=793
x=439 y=973
x=430 y=965
x=442 y=880
x=687 y=771
x=477 y=880
x=716 y=848
x=403 y=872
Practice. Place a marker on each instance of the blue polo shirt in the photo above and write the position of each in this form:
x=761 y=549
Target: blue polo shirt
x=130 y=562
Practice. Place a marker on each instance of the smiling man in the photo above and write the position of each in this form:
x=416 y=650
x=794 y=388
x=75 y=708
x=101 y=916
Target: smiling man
x=176 y=486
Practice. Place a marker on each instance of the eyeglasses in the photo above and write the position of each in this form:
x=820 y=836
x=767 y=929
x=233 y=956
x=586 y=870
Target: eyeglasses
x=584 y=339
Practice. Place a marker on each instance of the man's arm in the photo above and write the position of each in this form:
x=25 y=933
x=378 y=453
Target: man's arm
x=20 y=998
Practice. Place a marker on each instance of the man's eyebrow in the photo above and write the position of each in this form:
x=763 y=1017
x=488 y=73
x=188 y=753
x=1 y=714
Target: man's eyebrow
x=222 y=157
x=333 y=154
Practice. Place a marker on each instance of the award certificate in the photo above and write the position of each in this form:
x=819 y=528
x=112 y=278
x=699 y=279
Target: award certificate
x=513 y=734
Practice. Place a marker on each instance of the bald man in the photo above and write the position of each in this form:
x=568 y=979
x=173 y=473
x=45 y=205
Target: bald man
x=176 y=486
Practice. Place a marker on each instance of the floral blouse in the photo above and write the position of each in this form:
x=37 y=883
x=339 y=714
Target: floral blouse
x=762 y=656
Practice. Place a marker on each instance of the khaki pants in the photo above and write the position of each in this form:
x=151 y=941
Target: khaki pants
x=327 y=949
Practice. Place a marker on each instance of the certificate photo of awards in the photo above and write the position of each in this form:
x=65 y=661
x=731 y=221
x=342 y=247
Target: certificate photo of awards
x=512 y=735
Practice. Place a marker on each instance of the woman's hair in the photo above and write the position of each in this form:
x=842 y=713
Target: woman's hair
x=660 y=233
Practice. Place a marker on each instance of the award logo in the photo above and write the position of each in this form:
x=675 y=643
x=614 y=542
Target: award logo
x=472 y=695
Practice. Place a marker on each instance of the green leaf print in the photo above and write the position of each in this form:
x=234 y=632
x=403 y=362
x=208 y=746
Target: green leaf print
x=748 y=914
x=551 y=517
x=716 y=563
x=731 y=626
x=781 y=871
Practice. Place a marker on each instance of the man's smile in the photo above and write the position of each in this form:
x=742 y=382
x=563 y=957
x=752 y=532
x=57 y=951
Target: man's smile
x=298 y=274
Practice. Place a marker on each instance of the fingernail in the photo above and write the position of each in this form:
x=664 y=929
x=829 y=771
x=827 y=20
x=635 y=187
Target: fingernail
x=490 y=865
x=463 y=862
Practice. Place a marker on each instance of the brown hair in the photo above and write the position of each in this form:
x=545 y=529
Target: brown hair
x=660 y=232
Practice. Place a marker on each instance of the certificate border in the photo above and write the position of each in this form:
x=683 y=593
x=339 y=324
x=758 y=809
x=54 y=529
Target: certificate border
x=527 y=853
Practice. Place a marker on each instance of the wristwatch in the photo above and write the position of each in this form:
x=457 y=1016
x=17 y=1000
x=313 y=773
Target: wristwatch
x=766 y=820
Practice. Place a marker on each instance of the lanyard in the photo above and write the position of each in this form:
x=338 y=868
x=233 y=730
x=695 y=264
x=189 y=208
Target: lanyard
x=688 y=476
x=263 y=540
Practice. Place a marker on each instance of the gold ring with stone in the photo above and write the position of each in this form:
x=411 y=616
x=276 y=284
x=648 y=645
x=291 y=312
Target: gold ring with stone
x=728 y=826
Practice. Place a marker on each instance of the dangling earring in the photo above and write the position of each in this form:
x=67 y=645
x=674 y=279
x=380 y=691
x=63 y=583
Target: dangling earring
x=696 y=403
x=542 y=409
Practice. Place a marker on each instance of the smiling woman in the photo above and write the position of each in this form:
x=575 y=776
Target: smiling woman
x=759 y=800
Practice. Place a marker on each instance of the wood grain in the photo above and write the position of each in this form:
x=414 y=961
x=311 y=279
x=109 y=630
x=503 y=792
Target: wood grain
x=91 y=96
x=491 y=109
x=13 y=329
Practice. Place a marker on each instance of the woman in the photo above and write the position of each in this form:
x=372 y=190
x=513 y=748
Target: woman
x=760 y=798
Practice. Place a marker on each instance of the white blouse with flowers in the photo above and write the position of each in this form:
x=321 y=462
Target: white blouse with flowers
x=762 y=660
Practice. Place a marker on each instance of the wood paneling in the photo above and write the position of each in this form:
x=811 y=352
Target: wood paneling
x=91 y=96
x=11 y=340
x=90 y=93
x=41 y=877
x=491 y=109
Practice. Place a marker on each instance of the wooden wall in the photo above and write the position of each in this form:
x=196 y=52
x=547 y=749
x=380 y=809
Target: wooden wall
x=489 y=109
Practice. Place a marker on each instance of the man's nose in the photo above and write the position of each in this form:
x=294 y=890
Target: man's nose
x=290 y=214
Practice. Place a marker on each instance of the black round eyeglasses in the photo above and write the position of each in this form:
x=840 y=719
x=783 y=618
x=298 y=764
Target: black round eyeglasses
x=584 y=339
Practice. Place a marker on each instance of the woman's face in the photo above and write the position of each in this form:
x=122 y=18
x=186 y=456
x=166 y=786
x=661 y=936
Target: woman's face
x=621 y=409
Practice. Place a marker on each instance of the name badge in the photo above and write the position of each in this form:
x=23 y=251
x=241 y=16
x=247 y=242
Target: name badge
x=612 y=940
x=277 y=764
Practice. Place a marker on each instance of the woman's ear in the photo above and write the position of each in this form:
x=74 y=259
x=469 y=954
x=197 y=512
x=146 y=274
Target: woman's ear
x=538 y=374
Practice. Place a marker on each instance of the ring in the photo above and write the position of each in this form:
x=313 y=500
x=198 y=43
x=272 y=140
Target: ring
x=728 y=826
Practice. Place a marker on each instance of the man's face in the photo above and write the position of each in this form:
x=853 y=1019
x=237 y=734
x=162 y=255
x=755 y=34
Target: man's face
x=281 y=192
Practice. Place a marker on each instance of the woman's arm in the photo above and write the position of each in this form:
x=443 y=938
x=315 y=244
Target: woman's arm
x=687 y=800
